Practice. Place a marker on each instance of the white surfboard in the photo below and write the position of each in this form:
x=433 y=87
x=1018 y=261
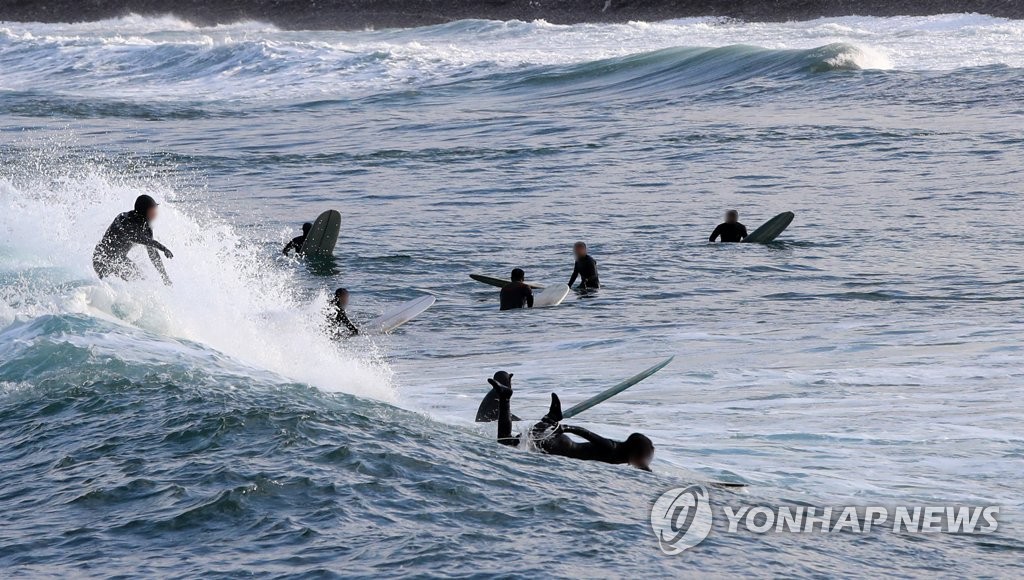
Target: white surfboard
x=324 y=235
x=398 y=315
x=551 y=296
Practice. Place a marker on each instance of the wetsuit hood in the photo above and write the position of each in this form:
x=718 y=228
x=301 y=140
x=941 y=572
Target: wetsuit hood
x=144 y=203
x=502 y=378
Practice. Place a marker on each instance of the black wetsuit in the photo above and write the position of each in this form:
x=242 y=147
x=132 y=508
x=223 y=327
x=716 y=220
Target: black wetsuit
x=516 y=295
x=488 y=410
x=551 y=436
x=730 y=232
x=111 y=255
x=295 y=244
x=339 y=322
x=586 y=271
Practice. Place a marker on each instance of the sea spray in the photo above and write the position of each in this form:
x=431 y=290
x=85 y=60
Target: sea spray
x=226 y=293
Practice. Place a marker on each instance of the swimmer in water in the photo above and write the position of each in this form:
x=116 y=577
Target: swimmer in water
x=732 y=230
x=517 y=294
x=585 y=269
x=296 y=243
x=488 y=410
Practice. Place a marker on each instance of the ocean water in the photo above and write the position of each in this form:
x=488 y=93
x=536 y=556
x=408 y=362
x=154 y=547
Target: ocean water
x=870 y=357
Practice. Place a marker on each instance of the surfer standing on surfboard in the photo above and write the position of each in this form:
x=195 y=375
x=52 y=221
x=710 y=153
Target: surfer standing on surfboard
x=338 y=321
x=296 y=243
x=730 y=231
x=129 y=228
x=517 y=294
x=550 y=436
x=585 y=269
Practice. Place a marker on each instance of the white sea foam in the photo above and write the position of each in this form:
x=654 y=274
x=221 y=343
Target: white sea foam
x=225 y=294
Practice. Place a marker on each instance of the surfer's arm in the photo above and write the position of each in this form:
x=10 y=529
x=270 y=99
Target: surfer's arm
x=144 y=236
x=529 y=297
x=715 y=234
x=743 y=235
x=505 y=436
x=295 y=244
x=590 y=436
x=158 y=263
x=343 y=319
x=575 y=274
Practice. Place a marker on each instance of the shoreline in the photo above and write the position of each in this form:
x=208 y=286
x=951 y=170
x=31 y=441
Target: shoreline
x=362 y=14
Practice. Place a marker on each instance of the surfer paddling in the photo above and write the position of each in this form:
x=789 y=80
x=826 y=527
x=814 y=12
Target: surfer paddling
x=129 y=228
x=296 y=243
x=730 y=231
x=585 y=269
x=338 y=322
x=552 y=437
x=517 y=294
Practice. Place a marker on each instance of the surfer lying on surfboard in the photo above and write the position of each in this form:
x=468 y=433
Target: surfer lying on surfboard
x=550 y=436
x=730 y=231
x=337 y=321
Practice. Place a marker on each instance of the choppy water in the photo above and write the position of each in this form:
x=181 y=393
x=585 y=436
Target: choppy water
x=872 y=357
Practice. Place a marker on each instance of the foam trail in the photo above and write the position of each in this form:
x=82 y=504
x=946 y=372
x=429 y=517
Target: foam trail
x=225 y=295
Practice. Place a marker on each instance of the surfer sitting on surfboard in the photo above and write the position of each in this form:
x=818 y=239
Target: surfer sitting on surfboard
x=585 y=269
x=730 y=231
x=517 y=294
x=129 y=228
x=552 y=437
x=338 y=321
x=296 y=243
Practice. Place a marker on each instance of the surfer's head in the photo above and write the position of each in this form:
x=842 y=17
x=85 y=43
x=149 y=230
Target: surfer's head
x=518 y=275
x=501 y=383
x=146 y=206
x=580 y=249
x=732 y=216
x=341 y=298
x=306 y=227
x=639 y=451
x=503 y=378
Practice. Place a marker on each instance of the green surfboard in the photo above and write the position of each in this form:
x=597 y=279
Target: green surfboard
x=771 y=229
x=500 y=282
x=612 y=391
x=324 y=235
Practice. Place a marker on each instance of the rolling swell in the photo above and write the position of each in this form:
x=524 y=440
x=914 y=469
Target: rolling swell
x=676 y=70
x=118 y=441
x=200 y=76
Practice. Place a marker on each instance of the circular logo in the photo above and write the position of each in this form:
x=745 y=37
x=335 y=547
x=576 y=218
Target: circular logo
x=681 y=518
